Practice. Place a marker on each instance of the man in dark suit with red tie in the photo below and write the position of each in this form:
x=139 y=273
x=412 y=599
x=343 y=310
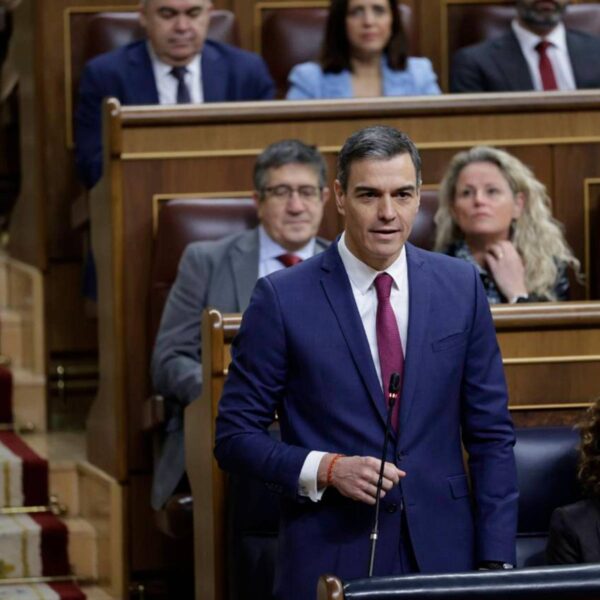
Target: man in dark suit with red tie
x=538 y=53
x=175 y=64
x=316 y=347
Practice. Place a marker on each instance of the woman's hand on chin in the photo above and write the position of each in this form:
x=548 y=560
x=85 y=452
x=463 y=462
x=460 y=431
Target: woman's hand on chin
x=507 y=268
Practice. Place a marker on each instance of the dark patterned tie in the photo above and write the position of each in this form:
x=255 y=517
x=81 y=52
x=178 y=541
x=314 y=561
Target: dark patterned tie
x=546 y=70
x=289 y=260
x=391 y=357
x=183 y=92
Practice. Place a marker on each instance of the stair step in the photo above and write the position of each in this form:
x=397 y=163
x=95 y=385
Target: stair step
x=96 y=593
x=11 y=336
x=83 y=553
x=29 y=399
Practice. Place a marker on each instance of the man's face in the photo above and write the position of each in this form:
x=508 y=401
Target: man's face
x=291 y=206
x=176 y=28
x=380 y=206
x=541 y=14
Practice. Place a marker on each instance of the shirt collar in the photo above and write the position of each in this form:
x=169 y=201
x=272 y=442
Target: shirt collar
x=162 y=69
x=269 y=248
x=527 y=39
x=362 y=275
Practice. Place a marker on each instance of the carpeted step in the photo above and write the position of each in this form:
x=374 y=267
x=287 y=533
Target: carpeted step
x=6 y=392
x=33 y=546
x=39 y=591
x=24 y=474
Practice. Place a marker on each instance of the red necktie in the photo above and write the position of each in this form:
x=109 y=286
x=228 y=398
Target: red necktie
x=391 y=357
x=546 y=70
x=289 y=260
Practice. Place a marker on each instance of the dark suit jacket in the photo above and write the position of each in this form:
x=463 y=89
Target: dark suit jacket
x=228 y=74
x=219 y=274
x=575 y=534
x=498 y=65
x=302 y=352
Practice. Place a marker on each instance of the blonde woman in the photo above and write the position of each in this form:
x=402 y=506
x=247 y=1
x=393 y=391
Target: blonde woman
x=496 y=214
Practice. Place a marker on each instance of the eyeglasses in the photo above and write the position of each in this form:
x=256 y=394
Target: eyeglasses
x=283 y=192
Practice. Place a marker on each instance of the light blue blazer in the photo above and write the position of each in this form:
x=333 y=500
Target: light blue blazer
x=308 y=81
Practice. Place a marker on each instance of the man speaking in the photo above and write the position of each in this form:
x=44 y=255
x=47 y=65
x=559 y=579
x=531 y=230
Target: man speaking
x=317 y=346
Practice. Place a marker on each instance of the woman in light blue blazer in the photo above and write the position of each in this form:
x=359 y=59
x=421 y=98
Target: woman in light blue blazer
x=364 y=54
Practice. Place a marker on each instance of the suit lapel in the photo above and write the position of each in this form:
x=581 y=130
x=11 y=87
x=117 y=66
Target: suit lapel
x=419 y=300
x=141 y=76
x=579 y=59
x=338 y=290
x=214 y=76
x=244 y=264
x=512 y=64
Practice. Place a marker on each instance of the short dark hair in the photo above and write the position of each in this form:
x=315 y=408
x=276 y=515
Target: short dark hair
x=335 y=52
x=287 y=152
x=375 y=143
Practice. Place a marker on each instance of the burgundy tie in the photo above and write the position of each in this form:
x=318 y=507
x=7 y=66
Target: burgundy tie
x=391 y=357
x=546 y=70
x=289 y=260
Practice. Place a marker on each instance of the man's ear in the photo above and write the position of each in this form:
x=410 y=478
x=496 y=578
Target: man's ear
x=142 y=14
x=340 y=197
x=325 y=194
x=257 y=201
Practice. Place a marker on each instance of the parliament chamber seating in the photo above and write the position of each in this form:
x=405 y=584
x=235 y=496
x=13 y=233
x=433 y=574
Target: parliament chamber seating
x=292 y=35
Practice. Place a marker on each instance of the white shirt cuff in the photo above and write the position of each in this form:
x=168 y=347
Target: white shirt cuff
x=307 y=483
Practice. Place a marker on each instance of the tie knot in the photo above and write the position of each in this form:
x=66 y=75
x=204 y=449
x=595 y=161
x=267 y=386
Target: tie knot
x=542 y=46
x=289 y=260
x=179 y=73
x=383 y=285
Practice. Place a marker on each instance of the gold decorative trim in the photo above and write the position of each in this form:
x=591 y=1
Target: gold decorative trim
x=558 y=406
x=551 y=360
x=159 y=199
x=260 y=6
x=70 y=138
x=588 y=182
x=446 y=145
x=444 y=38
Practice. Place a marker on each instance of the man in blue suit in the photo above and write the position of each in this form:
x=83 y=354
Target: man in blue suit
x=316 y=346
x=176 y=64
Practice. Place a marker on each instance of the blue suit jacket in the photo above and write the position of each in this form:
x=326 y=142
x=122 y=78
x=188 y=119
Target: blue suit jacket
x=228 y=73
x=302 y=351
x=498 y=65
x=308 y=81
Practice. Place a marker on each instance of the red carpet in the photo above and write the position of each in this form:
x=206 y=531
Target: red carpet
x=6 y=389
x=36 y=544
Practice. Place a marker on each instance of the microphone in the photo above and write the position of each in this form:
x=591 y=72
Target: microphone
x=393 y=389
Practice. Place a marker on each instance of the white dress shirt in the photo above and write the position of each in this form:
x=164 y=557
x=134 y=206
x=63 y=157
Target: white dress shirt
x=558 y=54
x=362 y=278
x=166 y=84
x=269 y=250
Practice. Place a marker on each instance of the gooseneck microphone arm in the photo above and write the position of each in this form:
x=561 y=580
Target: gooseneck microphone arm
x=393 y=388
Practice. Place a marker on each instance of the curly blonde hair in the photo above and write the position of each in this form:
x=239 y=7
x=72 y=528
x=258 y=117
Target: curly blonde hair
x=589 y=452
x=537 y=236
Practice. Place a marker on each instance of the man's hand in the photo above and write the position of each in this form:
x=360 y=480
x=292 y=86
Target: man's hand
x=356 y=476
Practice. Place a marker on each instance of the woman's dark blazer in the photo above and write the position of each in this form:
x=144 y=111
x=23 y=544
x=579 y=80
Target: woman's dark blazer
x=575 y=534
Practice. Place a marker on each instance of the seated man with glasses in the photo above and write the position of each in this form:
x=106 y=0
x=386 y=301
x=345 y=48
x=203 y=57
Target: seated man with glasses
x=290 y=192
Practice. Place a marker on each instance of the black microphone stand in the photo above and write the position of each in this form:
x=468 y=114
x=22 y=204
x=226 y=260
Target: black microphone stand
x=393 y=388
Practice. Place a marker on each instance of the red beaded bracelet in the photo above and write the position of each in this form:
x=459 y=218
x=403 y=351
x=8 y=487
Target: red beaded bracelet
x=330 y=468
